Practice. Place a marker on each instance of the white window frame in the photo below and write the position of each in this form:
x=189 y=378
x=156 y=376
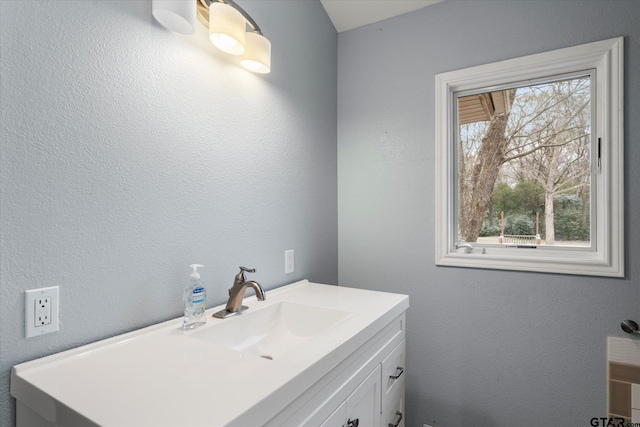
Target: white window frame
x=607 y=256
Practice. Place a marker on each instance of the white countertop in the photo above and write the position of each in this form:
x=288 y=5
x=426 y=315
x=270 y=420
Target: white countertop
x=162 y=376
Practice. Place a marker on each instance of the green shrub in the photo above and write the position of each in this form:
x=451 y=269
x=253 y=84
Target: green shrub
x=489 y=230
x=519 y=225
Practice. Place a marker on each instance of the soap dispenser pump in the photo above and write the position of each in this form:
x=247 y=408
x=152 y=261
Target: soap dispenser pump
x=195 y=298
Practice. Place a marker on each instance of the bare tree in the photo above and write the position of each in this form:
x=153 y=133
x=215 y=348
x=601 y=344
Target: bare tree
x=554 y=149
x=478 y=174
x=544 y=137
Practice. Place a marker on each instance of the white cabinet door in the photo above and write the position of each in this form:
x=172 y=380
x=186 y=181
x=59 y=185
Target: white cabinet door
x=363 y=405
x=337 y=419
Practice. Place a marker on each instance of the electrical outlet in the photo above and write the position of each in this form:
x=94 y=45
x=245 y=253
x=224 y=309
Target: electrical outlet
x=289 y=262
x=41 y=311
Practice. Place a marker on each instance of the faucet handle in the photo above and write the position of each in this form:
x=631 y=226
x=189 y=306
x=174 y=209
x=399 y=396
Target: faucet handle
x=240 y=277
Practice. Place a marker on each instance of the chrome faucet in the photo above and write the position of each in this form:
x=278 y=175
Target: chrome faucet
x=236 y=294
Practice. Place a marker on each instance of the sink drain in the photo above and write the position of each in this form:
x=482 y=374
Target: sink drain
x=264 y=356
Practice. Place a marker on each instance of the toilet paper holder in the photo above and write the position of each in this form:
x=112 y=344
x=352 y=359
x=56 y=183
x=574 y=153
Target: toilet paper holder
x=630 y=327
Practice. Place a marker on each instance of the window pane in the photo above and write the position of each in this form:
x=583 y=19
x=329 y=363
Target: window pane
x=524 y=168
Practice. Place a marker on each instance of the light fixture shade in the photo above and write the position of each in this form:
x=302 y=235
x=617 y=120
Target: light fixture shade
x=176 y=15
x=257 y=54
x=227 y=28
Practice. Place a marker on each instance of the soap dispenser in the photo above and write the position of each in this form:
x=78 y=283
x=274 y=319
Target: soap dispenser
x=195 y=298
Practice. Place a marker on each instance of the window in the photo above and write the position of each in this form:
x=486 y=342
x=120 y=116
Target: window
x=529 y=163
x=524 y=155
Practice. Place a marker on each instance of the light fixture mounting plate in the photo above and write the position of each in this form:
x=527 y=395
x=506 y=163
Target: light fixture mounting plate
x=202 y=13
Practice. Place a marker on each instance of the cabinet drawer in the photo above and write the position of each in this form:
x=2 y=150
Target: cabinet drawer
x=393 y=413
x=393 y=375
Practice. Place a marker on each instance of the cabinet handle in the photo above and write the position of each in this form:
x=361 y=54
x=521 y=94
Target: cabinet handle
x=399 y=372
x=397 y=423
x=353 y=423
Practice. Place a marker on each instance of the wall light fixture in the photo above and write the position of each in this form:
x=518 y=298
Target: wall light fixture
x=227 y=23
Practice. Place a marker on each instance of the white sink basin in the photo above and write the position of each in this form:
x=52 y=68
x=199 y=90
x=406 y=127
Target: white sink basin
x=272 y=331
x=149 y=376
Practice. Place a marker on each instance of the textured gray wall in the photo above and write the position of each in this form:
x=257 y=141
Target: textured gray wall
x=129 y=152
x=485 y=348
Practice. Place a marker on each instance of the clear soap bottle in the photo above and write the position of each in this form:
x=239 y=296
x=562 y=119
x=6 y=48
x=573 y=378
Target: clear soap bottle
x=195 y=298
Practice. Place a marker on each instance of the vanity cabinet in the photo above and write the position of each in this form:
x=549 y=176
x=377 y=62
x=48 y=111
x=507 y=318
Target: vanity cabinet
x=393 y=381
x=378 y=400
x=393 y=415
x=338 y=361
x=337 y=418
x=362 y=407
x=366 y=390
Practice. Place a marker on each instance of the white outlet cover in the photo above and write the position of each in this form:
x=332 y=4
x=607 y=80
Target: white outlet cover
x=289 y=261
x=30 y=300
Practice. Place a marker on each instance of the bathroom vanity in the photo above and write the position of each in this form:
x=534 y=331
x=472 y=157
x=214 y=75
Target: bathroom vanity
x=310 y=355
